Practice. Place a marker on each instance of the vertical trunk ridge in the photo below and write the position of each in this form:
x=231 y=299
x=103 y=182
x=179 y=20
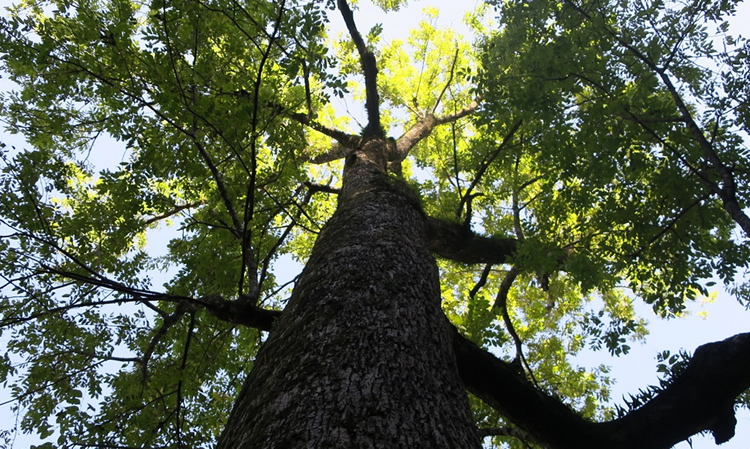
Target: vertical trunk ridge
x=362 y=356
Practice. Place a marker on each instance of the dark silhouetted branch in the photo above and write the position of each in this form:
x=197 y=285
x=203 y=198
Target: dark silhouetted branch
x=369 y=70
x=701 y=398
x=453 y=241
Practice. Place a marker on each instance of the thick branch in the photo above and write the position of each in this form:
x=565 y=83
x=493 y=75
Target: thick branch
x=240 y=312
x=499 y=385
x=455 y=242
x=700 y=399
x=461 y=113
x=176 y=210
x=314 y=188
x=336 y=152
x=369 y=70
x=412 y=136
x=347 y=140
x=424 y=127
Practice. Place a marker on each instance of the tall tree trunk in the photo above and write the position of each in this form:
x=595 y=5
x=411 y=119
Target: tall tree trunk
x=361 y=356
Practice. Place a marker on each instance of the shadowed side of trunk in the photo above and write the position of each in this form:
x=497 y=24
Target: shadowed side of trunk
x=362 y=356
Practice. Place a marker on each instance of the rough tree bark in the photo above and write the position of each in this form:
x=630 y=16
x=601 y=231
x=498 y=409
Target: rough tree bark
x=362 y=355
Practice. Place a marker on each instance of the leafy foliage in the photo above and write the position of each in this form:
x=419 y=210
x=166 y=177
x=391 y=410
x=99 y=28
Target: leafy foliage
x=573 y=130
x=179 y=86
x=670 y=367
x=616 y=168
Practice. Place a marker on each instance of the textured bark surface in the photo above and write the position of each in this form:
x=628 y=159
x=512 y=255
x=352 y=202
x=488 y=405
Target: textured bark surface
x=362 y=355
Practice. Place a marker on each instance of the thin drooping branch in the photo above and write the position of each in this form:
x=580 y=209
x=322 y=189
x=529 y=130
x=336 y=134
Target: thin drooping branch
x=249 y=266
x=699 y=399
x=176 y=210
x=167 y=323
x=481 y=282
x=219 y=180
x=728 y=190
x=447 y=83
x=183 y=365
x=369 y=70
x=487 y=161
x=501 y=304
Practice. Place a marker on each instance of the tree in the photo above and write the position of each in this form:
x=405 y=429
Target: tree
x=579 y=149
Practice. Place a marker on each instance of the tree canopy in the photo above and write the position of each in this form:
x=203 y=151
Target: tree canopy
x=572 y=156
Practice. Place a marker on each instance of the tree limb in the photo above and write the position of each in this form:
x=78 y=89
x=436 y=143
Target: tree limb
x=501 y=304
x=699 y=399
x=342 y=137
x=412 y=136
x=336 y=152
x=369 y=70
x=461 y=113
x=424 y=127
x=455 y=242
x=240 y=312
